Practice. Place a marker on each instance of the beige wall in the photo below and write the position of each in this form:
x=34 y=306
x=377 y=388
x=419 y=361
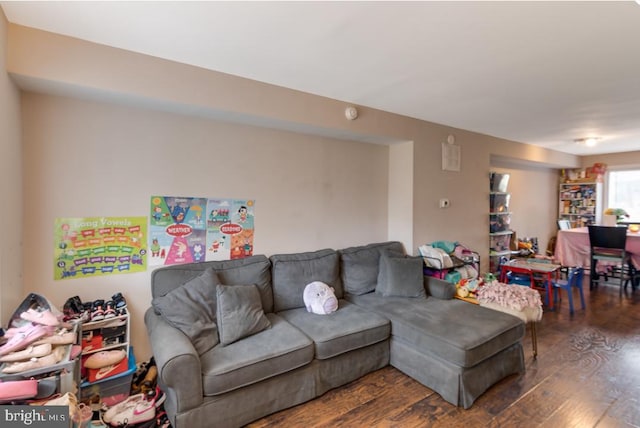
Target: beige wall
x=11 y=291
x=88 y=159
x=628 y=159
x=130 y=126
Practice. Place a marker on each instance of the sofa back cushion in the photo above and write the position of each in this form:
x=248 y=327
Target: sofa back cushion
x=249 y=270
x=191 y=308
x=292 y=272
x=360 y=265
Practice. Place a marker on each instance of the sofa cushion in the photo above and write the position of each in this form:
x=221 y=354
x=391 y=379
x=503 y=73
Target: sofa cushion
x=359 y=265
x=240 y=312
x=191 y=308
x=350 y=327
x=292 y=272
x=459 y=332
x=249 y=270
x=271 y=352
x=401 y=276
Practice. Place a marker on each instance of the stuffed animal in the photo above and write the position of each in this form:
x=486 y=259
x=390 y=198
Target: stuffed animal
x=319 y=298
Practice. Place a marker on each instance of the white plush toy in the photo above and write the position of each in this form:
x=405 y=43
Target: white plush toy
x=319 y=298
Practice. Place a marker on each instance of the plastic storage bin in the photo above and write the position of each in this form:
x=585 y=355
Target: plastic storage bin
x=499 y=182
x=499 y=222
x=111 y=390
x=499 y=242
x=499 y=202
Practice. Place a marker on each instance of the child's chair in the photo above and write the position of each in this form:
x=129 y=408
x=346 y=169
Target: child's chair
x=574 y=279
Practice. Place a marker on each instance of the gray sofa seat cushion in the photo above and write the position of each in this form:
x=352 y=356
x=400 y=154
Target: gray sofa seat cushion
x=359 y=265
x=350 y=327
x=459 y=332
x=292 y=272
x=249 y=270
x=271 y=352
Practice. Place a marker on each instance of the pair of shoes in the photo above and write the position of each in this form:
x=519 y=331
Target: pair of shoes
x=56 y=355
x=97 y=311
x=40 y=316
x=31 y=351
x=73 y=308
x=110 y=310
x=25 y=337
x=134 y=410
x=119 y=301
x=60 y=337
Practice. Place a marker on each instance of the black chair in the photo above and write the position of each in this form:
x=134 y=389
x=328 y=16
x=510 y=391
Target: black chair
x=608 y=245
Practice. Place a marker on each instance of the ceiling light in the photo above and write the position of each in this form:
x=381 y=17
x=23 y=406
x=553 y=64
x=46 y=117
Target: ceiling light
x=589 y=142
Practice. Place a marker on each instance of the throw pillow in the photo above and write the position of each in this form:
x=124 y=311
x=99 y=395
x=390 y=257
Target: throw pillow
x=191 y=308
x=401 y=277
x=240 y=312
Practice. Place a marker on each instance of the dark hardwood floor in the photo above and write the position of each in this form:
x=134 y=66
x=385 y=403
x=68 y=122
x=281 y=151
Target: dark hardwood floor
x=587 y=374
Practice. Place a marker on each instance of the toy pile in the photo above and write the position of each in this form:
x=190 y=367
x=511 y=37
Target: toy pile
x=451 y=261
x=469 y=288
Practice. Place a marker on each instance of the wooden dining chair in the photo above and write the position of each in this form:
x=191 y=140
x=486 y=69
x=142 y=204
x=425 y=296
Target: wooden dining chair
x=607 y=245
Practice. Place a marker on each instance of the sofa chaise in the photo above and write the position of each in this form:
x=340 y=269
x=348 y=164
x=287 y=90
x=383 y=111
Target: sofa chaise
x=233 y=341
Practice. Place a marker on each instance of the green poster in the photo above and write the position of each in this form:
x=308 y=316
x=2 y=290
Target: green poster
x=96 y=246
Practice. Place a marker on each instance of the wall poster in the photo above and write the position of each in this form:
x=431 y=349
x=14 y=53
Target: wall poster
x=192 y=229
x=95 y=246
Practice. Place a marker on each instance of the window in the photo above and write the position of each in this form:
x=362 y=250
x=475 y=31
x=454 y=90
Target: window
x=623 y=191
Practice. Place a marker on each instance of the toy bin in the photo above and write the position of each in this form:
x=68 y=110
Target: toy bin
x=499 y=182
x=500 y=242
x=499 y=222
x=499 y=202
x=111 y=390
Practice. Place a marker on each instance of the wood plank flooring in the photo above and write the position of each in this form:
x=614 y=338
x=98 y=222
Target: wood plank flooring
x=587 y=374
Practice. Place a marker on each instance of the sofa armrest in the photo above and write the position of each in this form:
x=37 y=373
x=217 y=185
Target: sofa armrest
x=439 y=288
x=178 y=363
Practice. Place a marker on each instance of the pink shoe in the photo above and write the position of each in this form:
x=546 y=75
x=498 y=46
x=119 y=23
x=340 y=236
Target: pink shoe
x=18 y=390
x=136 y=409
x=62 y=337
x=34 y=363
x=24 y=338
x=31 y=351
x=44 y=317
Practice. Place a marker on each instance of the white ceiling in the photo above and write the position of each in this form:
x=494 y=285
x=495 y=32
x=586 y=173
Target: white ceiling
x=543 y=73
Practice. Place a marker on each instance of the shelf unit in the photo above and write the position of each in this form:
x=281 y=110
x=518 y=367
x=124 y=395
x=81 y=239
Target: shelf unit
x=580 y=203
x=107 y=334
x=499 y=222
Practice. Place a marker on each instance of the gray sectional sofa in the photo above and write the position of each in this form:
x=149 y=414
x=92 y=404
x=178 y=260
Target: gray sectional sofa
x=233 y=340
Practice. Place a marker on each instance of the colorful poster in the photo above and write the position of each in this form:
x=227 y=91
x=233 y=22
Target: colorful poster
x=95 y=246
x=192 y=230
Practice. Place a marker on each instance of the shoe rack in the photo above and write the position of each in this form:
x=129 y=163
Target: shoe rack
x=106 y=334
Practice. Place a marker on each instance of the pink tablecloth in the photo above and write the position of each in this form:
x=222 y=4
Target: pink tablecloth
x=572 y=247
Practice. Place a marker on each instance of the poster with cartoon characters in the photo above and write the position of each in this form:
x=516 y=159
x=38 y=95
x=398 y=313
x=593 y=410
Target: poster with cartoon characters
x=94 y=246
x=192 y=230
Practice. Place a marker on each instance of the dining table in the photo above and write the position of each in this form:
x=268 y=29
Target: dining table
x=573 y=249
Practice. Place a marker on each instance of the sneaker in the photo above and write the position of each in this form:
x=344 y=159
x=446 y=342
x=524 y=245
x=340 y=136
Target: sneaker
x=110 y=311
x=119 y=301
x=97 y=311
x=44 y=317
x=24 y=338
x=73 y=308
x=134 y=410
